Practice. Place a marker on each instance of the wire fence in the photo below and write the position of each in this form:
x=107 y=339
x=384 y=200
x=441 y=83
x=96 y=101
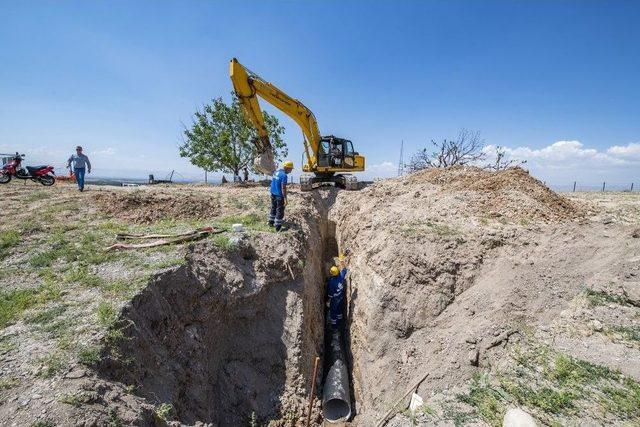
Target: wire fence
x=577 y=186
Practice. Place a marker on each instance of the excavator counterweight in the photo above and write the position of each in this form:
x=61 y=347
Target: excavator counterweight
x=329 y=159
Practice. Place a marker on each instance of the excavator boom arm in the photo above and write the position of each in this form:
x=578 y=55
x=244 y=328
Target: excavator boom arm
x=248 y=84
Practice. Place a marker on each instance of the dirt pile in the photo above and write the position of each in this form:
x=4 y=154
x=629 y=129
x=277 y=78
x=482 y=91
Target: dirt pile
x=144 y=207
x=450 y=266
x=512 y=193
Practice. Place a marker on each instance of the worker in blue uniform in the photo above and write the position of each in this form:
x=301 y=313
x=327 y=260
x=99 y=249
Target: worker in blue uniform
x=336 y=292
x=279 y=195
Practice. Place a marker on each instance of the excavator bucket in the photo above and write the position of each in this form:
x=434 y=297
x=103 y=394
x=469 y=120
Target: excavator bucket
x=264 y=162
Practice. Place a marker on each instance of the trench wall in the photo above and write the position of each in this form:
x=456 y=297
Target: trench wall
x=230 y=333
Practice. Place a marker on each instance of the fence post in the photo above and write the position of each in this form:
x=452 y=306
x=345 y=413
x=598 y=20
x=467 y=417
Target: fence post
x=574 y=186
x=603 y=184
x=631 y=187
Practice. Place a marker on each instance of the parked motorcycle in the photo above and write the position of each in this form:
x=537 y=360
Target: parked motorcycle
x=41 y=174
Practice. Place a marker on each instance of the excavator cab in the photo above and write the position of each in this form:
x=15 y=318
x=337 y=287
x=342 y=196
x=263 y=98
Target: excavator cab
x=336 y=153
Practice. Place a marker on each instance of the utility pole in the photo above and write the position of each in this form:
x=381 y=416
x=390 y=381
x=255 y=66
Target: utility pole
x=401 y=161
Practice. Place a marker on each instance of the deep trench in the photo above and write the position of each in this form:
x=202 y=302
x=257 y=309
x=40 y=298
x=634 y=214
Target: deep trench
x=221 y=349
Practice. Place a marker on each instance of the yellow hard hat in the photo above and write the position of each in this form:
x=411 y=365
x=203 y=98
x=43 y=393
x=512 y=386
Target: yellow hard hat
x=334 y=271
x=287 y=164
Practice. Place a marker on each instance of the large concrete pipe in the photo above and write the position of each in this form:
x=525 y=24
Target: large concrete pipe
x=336 y=403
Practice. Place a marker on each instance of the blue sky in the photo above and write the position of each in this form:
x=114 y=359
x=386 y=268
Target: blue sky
x=555 y=82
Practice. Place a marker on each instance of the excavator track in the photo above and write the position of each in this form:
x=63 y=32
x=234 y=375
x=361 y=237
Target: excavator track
x=346 y=181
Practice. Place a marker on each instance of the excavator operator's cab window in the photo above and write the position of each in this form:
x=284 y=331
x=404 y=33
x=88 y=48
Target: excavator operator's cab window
x=324 y=153
x=349 y=155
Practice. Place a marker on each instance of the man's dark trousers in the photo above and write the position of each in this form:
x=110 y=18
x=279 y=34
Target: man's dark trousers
x=276 y=216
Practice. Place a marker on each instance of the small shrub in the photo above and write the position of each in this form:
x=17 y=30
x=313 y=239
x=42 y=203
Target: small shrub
x=601 y=298
x=89 y=355
x=223 y=242
x=106 y=314
x=52 y=364
x=164 y=411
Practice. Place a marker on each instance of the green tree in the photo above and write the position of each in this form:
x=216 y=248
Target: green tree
x=220 y=139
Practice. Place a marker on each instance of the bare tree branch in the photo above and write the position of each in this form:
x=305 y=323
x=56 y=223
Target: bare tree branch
x=501 y=163
x=467 y=148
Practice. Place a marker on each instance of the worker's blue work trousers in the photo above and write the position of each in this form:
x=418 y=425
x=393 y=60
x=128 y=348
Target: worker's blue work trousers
x=79 y=172
x=276 y=216
x=336 y=308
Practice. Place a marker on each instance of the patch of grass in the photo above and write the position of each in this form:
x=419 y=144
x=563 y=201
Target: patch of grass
x=112 y=227
x=8 y=382
x=547 y=399
x=106 y=314
x=553 y=384
x=84 y=249
x=46 y=316
x=413 y=415
x=164 y=411
x=623 y=401
x=172 y=262
x=223 y=242
x=61 y=329
x=126 y=287
x=29 y=226
x=89 y=355
x=7 y=344
x=596 y=297
x=52 y=364
x=14 y=303
x=44 y=259
x=458 y=417
x=83 y=277
x=78 y=399
x=576 y=373
x=486 y=400
x=8 y=239
x=630 y=333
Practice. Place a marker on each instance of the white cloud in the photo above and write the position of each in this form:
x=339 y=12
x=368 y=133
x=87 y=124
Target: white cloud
x=629 y=151
x=569 y=160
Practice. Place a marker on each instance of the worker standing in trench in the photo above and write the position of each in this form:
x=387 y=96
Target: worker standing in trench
x=279 y=195
x=336 y=292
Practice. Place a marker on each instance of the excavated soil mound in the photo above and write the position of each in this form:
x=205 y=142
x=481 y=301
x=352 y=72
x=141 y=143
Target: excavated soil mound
x=511 y=193
x=143 y=207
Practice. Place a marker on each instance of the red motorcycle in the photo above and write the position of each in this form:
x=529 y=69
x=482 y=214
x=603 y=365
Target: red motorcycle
x=41 y=174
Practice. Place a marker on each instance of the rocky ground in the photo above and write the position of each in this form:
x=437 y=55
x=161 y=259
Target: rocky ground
x=495 y=290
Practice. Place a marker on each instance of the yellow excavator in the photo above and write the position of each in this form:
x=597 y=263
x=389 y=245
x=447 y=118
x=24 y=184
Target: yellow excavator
x=329 y=159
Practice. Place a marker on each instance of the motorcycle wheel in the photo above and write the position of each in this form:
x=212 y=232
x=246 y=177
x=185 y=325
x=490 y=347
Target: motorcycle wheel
x=47 y=180
x=5 y=178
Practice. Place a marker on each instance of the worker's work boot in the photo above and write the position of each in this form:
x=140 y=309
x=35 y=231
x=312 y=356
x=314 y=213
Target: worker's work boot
x=278 y=227
x=271 y=224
